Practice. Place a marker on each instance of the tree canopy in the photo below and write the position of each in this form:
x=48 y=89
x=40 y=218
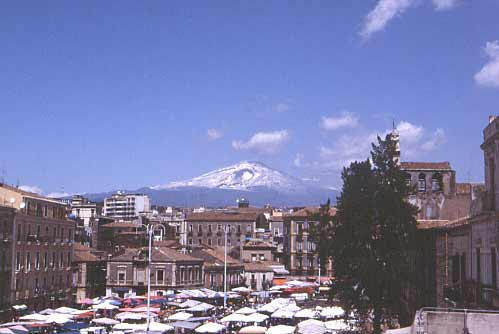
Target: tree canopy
x=371 y=236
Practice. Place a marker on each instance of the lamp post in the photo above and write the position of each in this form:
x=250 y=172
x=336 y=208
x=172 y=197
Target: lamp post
x=150 y=232
x=225 y=269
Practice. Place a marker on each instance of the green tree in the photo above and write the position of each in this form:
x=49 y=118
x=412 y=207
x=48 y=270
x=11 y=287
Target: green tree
x=372 y=235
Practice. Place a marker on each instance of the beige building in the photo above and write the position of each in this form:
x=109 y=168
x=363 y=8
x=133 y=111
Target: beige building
x=170 y=269
x=300 y=252
x=35 y=251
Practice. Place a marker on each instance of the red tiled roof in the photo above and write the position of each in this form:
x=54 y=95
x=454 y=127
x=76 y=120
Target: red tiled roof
x=83 y=253
x=159 y=254
x=425 y=165
x=309 y=211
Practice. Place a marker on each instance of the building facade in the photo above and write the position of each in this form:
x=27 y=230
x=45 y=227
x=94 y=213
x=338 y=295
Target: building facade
x=89 y=273
x=126 y=206
x=36 y=250
x=170 y=269
x=300 y=251
x=209 y=228
x=214 y=260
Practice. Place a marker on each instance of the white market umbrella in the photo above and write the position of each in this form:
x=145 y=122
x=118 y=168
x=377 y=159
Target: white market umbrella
x=58 y=318
x=33 y=317
x=66 y=310
x=292 y=307
x=131 y=316
x=332 y=312
x=283 y=314
x=234 y=317
x=338 y=325
x=105 y=321
x=47 y=311
x=242 y=289
x=158 y=327
x=180 y=316
x=256 y=317
x=200 y=307
x=269 y=308
x=189 y=303
x=310 y=322
x=253 y=330
x=105 y=306
x=281 y=329
x=246 y=310
x=307 y=314
x=6 y=331
x=210 y=327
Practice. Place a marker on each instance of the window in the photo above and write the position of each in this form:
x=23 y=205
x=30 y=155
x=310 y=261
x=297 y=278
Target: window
x=209 y=228
x=18 y=261
x=46 y=260
x=200 y=241
x=121 y=277
x=261 y=257
x=253 y=257
x=52 y=264
x=37 y=260
x=478 y=266
x=160 y=276
x=219 y=242
x=299 y=246
x=463 y=267
x=248 y=228
x=209 y=242
x=61 y=260
x=28 y=261
x=70 y=235
x=436 y=182
x=455 y=268
x=219 y=227
x=190 y=241
x=238 y=228
x=18 y=232
x=276 y=232
x=200 y=228
x=69 y=259
x=62 y=233
x=38 y=229
x=190 y=227
x=494 y=267
x=228 y=241
x=45 y=211
x=422 y=182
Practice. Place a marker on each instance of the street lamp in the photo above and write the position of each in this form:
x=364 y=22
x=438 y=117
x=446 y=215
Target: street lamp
x=150 y=231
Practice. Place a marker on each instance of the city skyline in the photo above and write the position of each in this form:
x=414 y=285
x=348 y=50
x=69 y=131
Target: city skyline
x=103 y=96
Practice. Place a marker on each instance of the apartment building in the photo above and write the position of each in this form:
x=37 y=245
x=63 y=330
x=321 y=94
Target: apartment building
x=300 y=251
x=36 y=250
x=209 y=228
x=170 y=269
x=126 y=206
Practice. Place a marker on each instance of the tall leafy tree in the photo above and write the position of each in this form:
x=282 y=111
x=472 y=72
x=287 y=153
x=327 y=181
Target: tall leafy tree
x=372 y=235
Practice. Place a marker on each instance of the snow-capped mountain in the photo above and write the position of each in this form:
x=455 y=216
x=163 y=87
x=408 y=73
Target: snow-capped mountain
x=254 y=181
x=246 y=176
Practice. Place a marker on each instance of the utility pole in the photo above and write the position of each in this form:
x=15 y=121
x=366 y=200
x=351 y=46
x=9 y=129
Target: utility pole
x=225 y=270
x=149 y=231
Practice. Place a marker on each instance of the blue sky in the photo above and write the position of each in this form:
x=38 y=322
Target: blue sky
x=120 y=94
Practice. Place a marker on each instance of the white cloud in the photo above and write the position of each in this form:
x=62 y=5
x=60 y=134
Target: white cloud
x=489 y=74
x=384 y=11
x=414 y=141
x=347 y=119
x=31 y=189
x=263 y=142
x=410 y=132
x=444 y=4
x=298 y=161
x=281 y=107
x=58 y=194
x=437 y=139
x=214 y=134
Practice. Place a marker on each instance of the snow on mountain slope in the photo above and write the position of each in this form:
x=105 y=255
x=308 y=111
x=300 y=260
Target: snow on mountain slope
x=242 y=176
